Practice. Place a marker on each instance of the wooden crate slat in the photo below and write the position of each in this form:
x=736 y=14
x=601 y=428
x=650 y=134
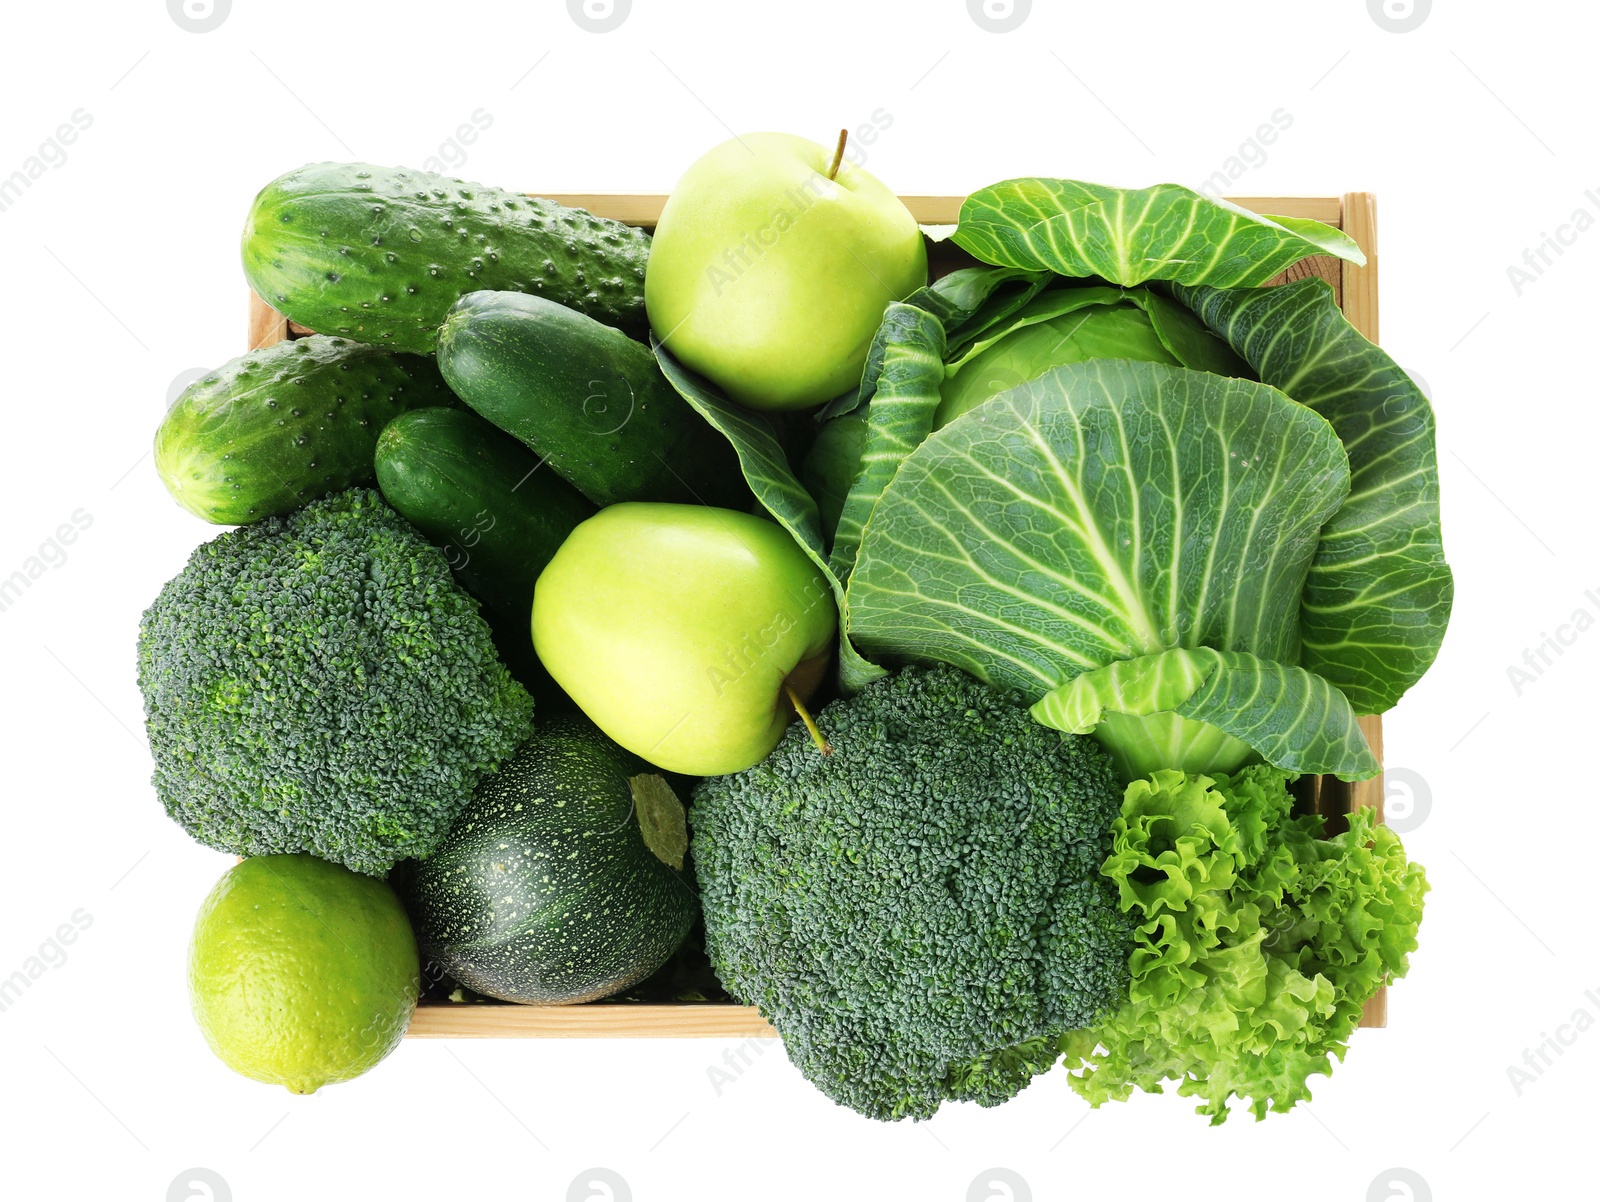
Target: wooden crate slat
x=1356 y=290
x=1359 y=300
x=645 y=209
x=1370 y=793
x=265 y=326
x=600 y=1020
x=1323 y=267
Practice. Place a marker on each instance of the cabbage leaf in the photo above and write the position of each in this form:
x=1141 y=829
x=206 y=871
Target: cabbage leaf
x=899 y=417
x=1379 y=594
x=1200 y=710
x=1130 y=235
x=1107 y=510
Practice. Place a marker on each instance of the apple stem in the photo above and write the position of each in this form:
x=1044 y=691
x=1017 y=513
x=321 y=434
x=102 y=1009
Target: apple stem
x=838 y=154
x=825 y=747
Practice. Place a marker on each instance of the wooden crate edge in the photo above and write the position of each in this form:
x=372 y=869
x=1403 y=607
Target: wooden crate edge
x=645 y=208
x=1359 y=300
x=264 y=325
x=600 y=1020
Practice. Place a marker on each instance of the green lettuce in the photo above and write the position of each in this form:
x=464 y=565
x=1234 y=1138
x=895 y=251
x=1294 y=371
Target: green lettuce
x=1258 y=941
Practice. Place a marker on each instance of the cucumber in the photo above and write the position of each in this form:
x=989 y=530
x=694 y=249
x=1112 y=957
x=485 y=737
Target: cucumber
x=499 y=516
x=588 y=399
x=273 y=429
x=546 y=890
x=378 y=254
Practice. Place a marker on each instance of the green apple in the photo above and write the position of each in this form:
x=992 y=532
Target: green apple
x=769 y=277
x=681 y=630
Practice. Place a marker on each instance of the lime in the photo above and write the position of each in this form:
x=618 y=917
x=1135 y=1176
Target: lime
x=302 y=972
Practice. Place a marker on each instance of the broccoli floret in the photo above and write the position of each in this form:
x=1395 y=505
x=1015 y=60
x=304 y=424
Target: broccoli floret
x=319 y=683
x=920 y=913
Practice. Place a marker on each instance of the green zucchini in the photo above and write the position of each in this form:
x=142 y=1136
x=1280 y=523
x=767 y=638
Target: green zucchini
x=499 y=516
x=588 y=399
x=378 y=254
x=273 y=429
x=546 y=890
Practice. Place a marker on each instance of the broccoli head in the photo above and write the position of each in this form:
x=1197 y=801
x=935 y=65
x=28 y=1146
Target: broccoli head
x=920 y=913
x=319 y=683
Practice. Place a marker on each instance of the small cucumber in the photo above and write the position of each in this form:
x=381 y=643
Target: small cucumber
x=378 y=254
x=588 y=399
x=273 y=429
x=497 y=513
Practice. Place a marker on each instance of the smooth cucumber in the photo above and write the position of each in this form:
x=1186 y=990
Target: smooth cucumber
x=379 y=253
x=586 y=398
x=273 y=429
x=486 y=500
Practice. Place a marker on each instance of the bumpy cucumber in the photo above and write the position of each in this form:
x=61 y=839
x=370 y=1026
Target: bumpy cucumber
x=498 y=514
x=273 y=429
x=378 y=254
x=588 y=399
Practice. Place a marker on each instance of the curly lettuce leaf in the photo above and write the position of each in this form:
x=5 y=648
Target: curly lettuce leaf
x=1258 y=941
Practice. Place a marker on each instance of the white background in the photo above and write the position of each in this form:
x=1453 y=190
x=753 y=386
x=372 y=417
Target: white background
x=120 y=272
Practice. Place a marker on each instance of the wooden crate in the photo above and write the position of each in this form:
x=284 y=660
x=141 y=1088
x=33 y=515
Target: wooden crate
x=1357 y=291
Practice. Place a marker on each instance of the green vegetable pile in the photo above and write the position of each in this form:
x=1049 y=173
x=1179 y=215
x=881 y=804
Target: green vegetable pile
x=1191 y=517
x=1111 y=551
x=1257 y=942
x=319 y=683
x=918 y=911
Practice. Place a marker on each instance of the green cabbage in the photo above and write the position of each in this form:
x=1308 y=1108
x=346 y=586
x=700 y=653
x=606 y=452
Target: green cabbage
x=1074 y=325
x=1064 y=290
